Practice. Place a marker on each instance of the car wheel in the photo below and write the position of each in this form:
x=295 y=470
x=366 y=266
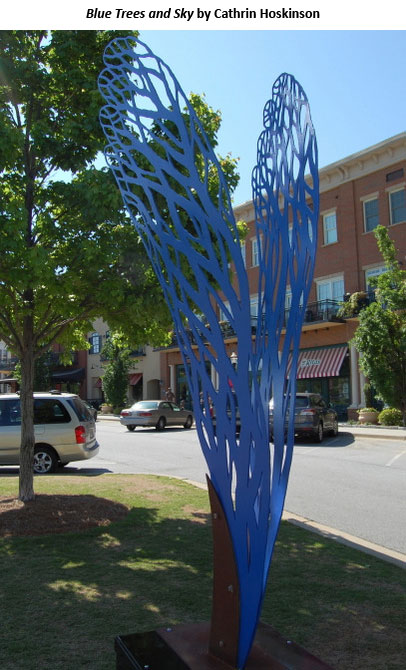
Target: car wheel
x=189 y=422
x=161 y=423
x=45 y=460
x=130 y=428
x=319 y=434
x=334 y=430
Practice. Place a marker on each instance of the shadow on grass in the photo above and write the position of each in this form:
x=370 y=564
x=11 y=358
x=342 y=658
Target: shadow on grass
x=52 y=513
x=66 y=597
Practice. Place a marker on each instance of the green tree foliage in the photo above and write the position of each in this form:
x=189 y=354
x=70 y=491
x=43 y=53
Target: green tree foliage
x=42 y=372
x=68 y=253
x=115 y=376
x=381 y=335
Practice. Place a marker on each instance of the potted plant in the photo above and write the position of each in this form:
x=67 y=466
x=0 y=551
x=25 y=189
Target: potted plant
x=368 y=415
x=353 y=304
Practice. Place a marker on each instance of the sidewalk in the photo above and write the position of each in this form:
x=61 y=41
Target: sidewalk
x=380 y=432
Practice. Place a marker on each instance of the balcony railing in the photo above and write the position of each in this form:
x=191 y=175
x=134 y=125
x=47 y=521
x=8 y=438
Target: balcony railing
x=316 y=312
x=323 y=310
x=8 y=363
x=56 y=362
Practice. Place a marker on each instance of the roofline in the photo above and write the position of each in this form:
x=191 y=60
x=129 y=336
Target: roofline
x=355 y=165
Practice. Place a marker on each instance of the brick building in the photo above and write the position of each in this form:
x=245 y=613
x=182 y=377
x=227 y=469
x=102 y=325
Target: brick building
x=356 y=194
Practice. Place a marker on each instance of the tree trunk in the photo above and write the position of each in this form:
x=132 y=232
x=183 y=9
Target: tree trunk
x=26 y=487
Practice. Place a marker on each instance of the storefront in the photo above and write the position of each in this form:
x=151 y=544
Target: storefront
x=326 y=370
x=182 y=392
x=135 y=384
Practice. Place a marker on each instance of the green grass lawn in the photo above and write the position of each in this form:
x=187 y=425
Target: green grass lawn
x=64 y=597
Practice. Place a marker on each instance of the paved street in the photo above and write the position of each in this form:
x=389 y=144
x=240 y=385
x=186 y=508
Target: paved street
x=353 y=484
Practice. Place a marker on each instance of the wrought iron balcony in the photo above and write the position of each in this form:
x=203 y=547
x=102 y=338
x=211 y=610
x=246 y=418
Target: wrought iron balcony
x=321 y=311
x=136 y=353
x=8 y=363
x=56 y=362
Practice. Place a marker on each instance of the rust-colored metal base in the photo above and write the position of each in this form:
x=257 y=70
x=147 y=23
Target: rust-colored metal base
x=186 y=647
x=225 y=616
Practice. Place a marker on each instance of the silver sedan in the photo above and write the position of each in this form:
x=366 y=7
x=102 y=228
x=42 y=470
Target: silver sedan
x=157 y=414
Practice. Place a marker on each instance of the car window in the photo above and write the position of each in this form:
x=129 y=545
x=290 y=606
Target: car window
x=146 y=404
x=80 y=409
x=301 y=401
x=10 y=413
x=165 y=405
x=50 y=410
x=175 y=407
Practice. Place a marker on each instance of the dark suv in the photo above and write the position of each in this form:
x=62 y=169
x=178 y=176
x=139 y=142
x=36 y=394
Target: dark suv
x=313 y=417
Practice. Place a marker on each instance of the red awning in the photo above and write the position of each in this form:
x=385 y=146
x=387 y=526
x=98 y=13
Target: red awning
x=325 y=362
x=135 y=378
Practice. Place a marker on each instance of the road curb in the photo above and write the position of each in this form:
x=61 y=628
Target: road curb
x=378 y=432
x=340 y=536
x=389 y=555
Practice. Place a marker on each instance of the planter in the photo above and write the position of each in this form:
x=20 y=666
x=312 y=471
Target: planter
x=367 y=416
x=106 y=409
x=187 y=648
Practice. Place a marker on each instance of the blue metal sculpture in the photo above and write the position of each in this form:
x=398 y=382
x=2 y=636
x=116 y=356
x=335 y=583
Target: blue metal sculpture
x=161 y=158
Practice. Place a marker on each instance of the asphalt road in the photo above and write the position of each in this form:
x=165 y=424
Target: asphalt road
x=355 y=485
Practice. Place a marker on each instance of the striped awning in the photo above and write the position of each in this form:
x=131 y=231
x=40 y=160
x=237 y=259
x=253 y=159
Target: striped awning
x=323 y=362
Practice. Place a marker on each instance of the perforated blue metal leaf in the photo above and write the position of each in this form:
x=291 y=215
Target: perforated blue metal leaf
x=162 y=161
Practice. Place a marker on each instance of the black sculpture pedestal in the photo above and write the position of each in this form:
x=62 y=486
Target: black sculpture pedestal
x=186 y=647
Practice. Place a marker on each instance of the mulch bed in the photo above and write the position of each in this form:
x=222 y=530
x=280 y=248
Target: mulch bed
x=49 y=514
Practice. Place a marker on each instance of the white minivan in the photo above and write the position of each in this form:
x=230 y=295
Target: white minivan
x=63 y=426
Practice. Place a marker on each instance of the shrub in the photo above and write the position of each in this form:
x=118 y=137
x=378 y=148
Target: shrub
x=390 y=417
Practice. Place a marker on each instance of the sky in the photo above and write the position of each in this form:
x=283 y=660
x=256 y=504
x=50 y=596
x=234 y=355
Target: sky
x=354 y=77
x=354 y=80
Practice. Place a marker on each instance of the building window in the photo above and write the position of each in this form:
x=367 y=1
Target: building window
x=371 y=214
x=330 y=289
x=288 y=298
x=330 y=228
x=95 y=344
x=397 y=202
x=373 y=272
x=243 y=252
x=225 y=315
x=255 y=253
x=396 y=174
x=254 y=309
